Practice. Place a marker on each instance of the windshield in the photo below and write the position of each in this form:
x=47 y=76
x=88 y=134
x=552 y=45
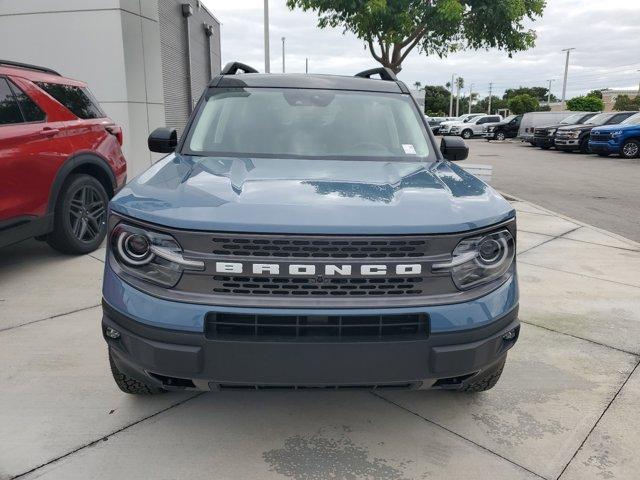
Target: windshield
x=599 y=119
x=632 y=120
x=509 y=118
x=307 y=123
x=573 y=119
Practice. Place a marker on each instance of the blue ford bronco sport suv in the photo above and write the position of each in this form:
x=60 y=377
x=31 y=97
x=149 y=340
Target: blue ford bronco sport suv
x=622 y=139
x=306 y=232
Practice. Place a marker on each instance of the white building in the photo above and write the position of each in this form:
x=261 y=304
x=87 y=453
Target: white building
x=146 y=61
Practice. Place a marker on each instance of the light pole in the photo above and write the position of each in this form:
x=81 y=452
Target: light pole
x=549 y=93
x=490 y=93
x=306 y=65
x=267 y=61
x=566 y=71
x=283 y=40
x=451 y=97
x=470 y=95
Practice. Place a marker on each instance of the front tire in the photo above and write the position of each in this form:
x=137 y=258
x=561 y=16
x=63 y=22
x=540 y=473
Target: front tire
x=485 y=381
x=131 y=385
x=80 y=216
x=630 y=149
x=466 y=134
x=584 y=146
x=500 y=136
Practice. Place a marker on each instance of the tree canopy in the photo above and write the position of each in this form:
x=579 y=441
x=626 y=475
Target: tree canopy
x=523 y=103
x=436 y=100
x=393 y=28
x=536 y=92
x=624 y=102
x=585 y=104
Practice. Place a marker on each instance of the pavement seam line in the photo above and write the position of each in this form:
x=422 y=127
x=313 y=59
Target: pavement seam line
x=101 y=439
x=553 y=237
x=637 y=355
x=49 y=318
x=579 y=274
x=574 y=240
x=482 y=447
x=598 y=421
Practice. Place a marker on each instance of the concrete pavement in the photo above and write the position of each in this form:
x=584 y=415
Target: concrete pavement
x=566 y=407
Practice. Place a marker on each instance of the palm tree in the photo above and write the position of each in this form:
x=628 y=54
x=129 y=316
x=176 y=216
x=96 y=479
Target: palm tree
x=417 y=85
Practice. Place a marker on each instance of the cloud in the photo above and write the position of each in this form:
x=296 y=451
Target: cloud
x=605 y=35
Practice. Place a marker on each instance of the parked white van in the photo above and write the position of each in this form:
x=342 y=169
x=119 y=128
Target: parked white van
x=532 y=120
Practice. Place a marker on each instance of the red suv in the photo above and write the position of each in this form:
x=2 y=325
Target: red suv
x=60 y=160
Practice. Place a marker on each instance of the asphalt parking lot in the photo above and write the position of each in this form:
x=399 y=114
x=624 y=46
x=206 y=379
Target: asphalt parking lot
x=566 y=407
x=599 y=191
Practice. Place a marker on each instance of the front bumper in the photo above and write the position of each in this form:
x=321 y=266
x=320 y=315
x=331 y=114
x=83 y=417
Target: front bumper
x=604 y=147
x=567 y=144
x=544 y=142
x=176 y=360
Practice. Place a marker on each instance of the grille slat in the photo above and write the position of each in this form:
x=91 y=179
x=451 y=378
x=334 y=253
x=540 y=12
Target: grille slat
x=283 y=247
x=317 y=327
x=286 y=286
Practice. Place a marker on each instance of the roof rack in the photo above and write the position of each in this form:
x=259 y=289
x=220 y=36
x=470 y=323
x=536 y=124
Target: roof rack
x=29 y=67
x=232 y=68
x=385 y=73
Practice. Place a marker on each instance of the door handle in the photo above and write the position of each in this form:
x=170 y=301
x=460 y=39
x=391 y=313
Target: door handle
x=50 y=132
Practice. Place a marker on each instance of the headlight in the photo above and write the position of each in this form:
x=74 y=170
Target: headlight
x=151 y=256
x=616 y=134
x=574 y=134
x=480 y=259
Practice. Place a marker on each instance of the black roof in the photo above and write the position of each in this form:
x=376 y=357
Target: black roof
x=302 y=80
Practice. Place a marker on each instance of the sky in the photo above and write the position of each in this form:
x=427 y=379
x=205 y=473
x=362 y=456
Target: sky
x=605 y=35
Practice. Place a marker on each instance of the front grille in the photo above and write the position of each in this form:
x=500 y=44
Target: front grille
x=541 y=132
x=273 y=246
x=350 y=328
x=600 y=137
x=297 y=286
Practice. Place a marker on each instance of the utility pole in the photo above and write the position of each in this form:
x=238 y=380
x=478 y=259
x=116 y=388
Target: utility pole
x=490 y=90
x=470 y=96
x=458 y=97
x=267 y=61
x=451 y=97
x=283 y=39
x=306 y=65
x=566 y=71
x=549 y=92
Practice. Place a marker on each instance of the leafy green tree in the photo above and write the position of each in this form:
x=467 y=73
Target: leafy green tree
x=436 y=100
x=595 y=93
x=536 y=92
x=624 y=102
x=497 y=103
x=393 y=28
x=585 y=104
x=523 y=103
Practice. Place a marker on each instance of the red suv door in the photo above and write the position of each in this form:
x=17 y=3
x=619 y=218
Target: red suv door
x=31 y=150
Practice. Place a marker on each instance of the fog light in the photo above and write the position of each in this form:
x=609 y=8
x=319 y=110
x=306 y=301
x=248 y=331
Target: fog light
x=112 y=333
x=510 y=335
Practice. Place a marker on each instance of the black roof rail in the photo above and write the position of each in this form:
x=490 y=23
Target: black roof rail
x=384 y=72
x=232 y=68
x=11 y=63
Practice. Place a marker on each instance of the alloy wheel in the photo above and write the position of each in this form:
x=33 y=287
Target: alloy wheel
x=630 y=150
x=87 y=213
x=500 y=136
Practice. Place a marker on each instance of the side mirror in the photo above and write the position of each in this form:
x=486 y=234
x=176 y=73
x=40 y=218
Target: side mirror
x=454 y=148
x=163 y=140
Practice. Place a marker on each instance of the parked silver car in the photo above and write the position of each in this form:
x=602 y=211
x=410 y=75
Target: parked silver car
x=474 y=126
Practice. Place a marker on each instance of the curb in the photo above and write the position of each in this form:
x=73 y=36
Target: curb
x=632 y=243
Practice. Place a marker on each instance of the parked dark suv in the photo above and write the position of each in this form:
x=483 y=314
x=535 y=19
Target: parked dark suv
x=307 y=231
x=508 y=128
x=60 y=160
x=545 y=137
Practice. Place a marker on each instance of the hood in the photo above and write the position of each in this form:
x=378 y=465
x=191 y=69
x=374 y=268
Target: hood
x=561 y=125
x=579 y=126
x=273 y=195
x=615 y=127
